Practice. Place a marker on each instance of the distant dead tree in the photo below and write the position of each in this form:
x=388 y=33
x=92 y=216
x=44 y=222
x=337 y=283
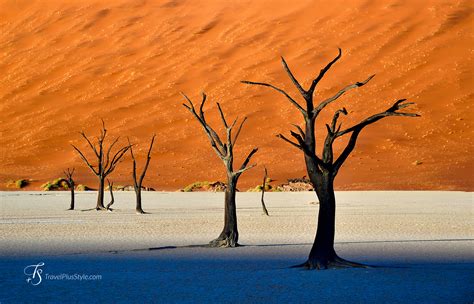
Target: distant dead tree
x=225 y=150
x=138 y=181
x=70 y=183
x=106 y=163
x=323 y=170
x=264 y=184
x=112 y=200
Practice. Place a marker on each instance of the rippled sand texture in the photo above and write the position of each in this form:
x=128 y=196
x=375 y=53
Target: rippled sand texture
x=65 y=64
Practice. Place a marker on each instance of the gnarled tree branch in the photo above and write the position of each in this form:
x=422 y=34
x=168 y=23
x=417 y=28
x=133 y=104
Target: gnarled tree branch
x=216 y=142
x=323 y=72
x=356 y=129
x=244 y=167
x=292 y=77
x=303 y=111
x=325 y=102
x=86 y=161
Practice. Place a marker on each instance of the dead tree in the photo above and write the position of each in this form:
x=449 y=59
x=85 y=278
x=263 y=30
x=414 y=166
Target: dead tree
x=112 y=200
x=225 y=150
x=264 y=184
x=70 y=183
x=106 y=163
x=323 y=170
x=137 y=181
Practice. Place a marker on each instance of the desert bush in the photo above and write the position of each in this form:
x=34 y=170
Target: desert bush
x=258 y=188
x=295 y=185
x=205 y=186
x=20 y=183
x=128 y=188
x=81 y=187
x=57 y=184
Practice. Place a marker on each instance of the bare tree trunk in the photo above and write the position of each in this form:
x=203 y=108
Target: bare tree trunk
x=112 y=199
x=70 y=183
x=322 y=253
x=138 y=181
x=100 y=195
x=138 y=194
x=71 y=187
x=265 y=211
x=229 y=236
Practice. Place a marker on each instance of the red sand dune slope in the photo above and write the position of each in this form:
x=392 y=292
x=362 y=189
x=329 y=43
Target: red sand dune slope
x=65 y=64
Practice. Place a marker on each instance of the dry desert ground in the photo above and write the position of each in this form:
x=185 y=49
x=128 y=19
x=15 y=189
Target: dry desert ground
x=421 y=242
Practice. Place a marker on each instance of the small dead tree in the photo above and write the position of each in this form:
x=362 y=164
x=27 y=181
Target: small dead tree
x=106 y=162
x=264 y=184
x=225 y=150
x=138 y=181
x=323 y=170
x=70 y=183
x=112 y=200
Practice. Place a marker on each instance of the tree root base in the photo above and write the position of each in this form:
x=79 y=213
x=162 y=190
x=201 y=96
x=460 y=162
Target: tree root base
x=335 y=263
x=226 y=242
x=108 y=209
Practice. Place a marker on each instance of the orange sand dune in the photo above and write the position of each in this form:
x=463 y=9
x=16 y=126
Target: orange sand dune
x=65 y=64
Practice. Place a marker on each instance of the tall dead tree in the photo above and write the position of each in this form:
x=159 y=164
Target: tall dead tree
x=138 y=181
x=70 y=183
x=225 y=150
x=105 y=161
x=323 y=170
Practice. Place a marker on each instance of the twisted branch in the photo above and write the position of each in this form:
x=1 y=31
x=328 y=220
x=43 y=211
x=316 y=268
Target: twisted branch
x=356 y=129
x=303 y=111
x=323 y=72
x=224 y=150
x=216 y=142
x=325 y=102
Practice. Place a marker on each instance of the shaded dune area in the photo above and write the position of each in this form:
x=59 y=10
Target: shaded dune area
x=66 y=64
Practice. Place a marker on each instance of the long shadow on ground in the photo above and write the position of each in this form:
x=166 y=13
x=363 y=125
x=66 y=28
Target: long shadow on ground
x=250 y=274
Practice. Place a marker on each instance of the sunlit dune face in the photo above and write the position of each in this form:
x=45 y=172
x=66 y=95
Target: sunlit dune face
x=66 y=64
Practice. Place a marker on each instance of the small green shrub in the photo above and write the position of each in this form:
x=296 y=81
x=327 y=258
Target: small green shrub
x=57 y=184
x=205 y=186
x=81 y=187
x=18 y=183
x=258 y=188
x=121 y=188
x=268 y=187
x=296 y=185
x=21 y=183
x=195 y=186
